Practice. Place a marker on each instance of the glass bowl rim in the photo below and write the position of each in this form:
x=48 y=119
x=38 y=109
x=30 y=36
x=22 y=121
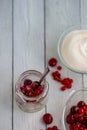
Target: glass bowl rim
x=64 y=33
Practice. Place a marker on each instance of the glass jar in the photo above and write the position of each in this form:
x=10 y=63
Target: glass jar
x=31 y=104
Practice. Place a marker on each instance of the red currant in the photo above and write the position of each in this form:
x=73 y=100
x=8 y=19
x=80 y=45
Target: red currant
x=81 y=103
x=27 y=82
x=47 y=118
x=59 y=67
x=52 y=62
x=63 y=88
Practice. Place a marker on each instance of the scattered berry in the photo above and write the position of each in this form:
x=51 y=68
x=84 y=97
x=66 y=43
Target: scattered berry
x=49 y=128
x=63 y=88
x=52 y=62
x=59 y=67
x=47 y=118
x=66 y=82
x=55 y=128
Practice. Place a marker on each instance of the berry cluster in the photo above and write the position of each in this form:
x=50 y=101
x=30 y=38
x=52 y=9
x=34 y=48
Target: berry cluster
x=31 y=89
x=48 y=119
x=77 y=117
x=66 y=82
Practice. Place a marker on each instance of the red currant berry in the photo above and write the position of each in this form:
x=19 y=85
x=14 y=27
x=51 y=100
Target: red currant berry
x=47 y=118
x=80 y=119
x=63 y=88
x=81 y=103
x=70 y=119
x=52 y=62
x=66 y=81
x=81 y=128
x=49 y=128
x=28 y=88
x=71 y=127
x=56 y=74
x=38 y=91
x=81 y=110
x=54 y=128
x=69 y=86
x=74 y=109
x=77 y=126
x=27 y=82
x=59 y=67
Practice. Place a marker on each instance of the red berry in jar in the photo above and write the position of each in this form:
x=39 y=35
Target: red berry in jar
x=47 y=118
x=52 y=62
x=27 y=82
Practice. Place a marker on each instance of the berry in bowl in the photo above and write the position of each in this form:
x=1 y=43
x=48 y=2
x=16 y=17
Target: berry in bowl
x=31 y=91
x=75 y=111
x=72 y=48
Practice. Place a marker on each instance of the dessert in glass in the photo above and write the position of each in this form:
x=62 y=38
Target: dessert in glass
x=30 y=94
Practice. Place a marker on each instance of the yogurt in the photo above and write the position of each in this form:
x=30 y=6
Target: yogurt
x=74 y=50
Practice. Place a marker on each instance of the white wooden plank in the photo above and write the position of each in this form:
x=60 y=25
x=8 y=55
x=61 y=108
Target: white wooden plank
x=5 y=64
x=59 y=16
x=84 y=22
x=28 y=53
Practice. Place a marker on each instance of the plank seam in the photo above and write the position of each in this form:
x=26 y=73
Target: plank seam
x=12 y=63
x=45 y=44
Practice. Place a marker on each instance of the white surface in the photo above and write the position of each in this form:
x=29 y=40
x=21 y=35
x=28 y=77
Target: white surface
x=30 y=52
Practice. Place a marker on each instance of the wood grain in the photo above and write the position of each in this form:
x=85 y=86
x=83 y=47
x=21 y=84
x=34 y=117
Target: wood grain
x=31 y=39
x=28 y=53
x=5 y=65
x=60 y=15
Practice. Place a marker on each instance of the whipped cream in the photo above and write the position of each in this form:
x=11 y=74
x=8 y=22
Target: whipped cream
x=74 y=50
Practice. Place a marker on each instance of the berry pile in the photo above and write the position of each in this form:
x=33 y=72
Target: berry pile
x=77 y=117
x=31 y=89
x=66 y=82
x=48 y=119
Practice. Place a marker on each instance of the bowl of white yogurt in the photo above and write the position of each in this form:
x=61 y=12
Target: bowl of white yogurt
x=72 y=48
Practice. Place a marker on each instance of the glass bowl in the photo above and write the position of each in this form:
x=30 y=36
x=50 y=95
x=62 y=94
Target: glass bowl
x=60 y=43
x=74 y=98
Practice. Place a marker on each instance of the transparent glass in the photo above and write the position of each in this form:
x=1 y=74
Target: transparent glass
x=60 y=42
x=74 y=98
x=29 y=104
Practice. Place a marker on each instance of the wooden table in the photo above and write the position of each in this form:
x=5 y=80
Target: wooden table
x=29 y=32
